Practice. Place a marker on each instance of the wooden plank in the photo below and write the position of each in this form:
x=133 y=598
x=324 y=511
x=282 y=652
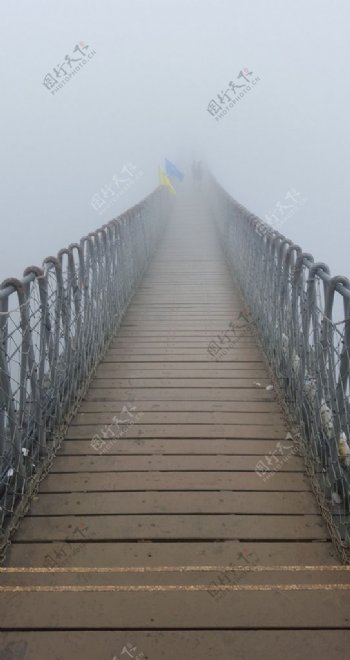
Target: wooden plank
x=187 y=343
x=180 y=342
x=172 y=645
x=179 y=298
x=193 y=610
x=214 y=325
x=184 y=303
x=116 y=370
x=106 y=407
x=169 y=502
x=229 y=358
x=245 y=353
x=228 y=383
x=185 y=431
x=186 y=463
x=176 y=526
x=201 y=553
x=168 y=446
x=142 y=481
x=211 y=365
x=153 y=393
x=226 y=317
x=172 y=578
x=153 y=417
x=189 y=311
x=173 y=334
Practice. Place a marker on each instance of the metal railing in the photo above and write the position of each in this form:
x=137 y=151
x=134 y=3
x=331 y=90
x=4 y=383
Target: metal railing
x=302 y=317
x=55 y=325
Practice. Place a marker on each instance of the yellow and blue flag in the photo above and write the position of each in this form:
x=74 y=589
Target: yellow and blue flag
x=165 y=181
x=172 y=170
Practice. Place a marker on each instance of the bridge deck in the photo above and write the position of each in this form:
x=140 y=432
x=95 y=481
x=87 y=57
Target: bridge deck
x=200 y=552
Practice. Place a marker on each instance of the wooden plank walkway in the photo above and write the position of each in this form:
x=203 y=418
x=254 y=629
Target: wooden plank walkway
x=165 y=542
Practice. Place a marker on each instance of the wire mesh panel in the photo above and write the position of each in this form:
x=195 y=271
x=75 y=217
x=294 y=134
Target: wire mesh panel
x=302 y=316
x=54 y=326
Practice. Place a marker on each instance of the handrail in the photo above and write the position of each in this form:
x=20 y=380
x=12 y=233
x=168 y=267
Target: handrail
x=302 y=317
x=55 y=324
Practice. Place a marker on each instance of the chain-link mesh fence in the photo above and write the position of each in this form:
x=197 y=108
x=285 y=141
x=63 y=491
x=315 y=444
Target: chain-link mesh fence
x=302 y=316
x=54 y=327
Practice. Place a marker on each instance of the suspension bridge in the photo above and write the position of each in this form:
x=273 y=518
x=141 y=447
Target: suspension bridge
x=174 y=424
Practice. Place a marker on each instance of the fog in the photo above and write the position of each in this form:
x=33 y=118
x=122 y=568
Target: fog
x=143 y=96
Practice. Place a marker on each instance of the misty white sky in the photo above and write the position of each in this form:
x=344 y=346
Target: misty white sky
x=144 y=95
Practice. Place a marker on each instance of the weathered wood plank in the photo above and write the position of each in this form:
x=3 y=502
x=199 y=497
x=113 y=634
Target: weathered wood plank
x=122 y=463
x=135 y=416
x=142 y=481
x=179 y=502
x=173 y=578
x=161 y=644
x=178 y=382
x=176 y=526
x=245 y=353
x=197 y=553
x=116 y=370
x=156 y=393
x=107 y=407
x=185 y=431
x=166 y=446
x=178 y=610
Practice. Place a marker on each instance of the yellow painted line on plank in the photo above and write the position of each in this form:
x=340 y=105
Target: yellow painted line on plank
x=171 y=587
x=173 y=569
